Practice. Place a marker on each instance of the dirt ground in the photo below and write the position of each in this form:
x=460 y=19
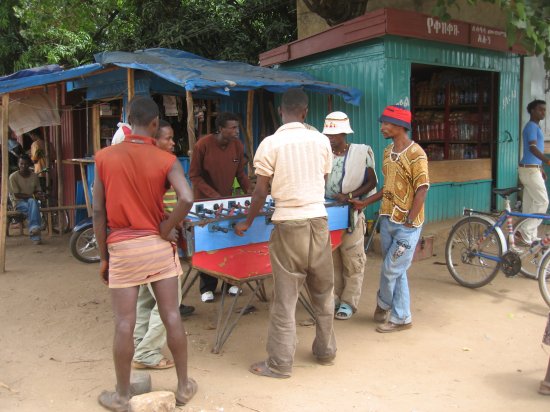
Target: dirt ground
x=469 y=350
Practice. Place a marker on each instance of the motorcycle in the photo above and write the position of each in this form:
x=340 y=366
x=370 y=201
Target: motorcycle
x=83 y=243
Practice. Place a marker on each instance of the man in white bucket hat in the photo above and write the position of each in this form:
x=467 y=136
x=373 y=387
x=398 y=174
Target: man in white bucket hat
x=352 y=176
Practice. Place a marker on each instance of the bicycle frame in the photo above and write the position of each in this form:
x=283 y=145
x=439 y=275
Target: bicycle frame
x=505 y=216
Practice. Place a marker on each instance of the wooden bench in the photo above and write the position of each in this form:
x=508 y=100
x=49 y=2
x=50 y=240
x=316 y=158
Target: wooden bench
x=45 y=210
x=49 y=210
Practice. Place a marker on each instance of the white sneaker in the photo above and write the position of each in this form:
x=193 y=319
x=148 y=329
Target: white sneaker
x=207 y=297
x=234 y=291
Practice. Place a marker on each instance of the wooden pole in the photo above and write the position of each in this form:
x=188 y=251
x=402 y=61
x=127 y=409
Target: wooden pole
x=96 y=128
x=85 y=187
x=58 y=154
x=263 y=132
x=273 y=116
x=190 y=123
x=208 y=116
x=131 y=86
x=250 y=129
x=4 y=187
x=47 y=153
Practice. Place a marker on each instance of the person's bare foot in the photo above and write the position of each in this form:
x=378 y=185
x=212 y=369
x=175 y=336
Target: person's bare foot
x=185 y=396
x=112 y=401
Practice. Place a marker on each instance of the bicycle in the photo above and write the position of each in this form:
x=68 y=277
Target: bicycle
x=477 y=247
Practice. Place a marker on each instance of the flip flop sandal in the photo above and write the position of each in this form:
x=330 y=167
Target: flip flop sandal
x=109 y=400
x=190 y=391
x=344 y=312
x=163 y=364
x=261 y=369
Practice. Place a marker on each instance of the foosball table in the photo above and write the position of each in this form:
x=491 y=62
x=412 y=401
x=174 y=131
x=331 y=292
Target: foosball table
x=213 y=248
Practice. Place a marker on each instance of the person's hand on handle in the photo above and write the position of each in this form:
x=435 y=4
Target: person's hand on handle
x=358 y=204
x=240 y=228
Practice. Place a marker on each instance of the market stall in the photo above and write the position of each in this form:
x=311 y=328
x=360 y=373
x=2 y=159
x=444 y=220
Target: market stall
x=460 y=80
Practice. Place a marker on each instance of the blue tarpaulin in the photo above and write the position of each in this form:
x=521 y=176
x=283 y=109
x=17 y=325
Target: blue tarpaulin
x=196 y=73
x=189 y=71
x=43 y=75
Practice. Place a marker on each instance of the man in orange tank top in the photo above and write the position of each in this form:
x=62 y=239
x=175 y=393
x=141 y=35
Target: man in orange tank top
x=136 y=242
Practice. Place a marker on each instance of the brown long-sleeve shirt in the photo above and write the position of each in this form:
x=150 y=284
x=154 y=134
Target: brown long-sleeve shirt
x=213 y=170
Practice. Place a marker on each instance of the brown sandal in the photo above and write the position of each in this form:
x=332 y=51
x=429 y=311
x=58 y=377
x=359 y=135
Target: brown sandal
x=163 y=364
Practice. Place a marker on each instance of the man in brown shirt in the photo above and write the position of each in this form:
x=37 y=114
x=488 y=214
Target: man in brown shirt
x=217 y=159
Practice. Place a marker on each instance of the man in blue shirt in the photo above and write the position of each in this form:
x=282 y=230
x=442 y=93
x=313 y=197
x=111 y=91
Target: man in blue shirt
x=531 y=171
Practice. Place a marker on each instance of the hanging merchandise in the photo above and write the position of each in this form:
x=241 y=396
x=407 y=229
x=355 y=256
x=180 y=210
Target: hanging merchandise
x=170 y=105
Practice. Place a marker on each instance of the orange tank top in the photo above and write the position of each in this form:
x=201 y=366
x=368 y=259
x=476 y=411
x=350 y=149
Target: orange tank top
x=134 y=175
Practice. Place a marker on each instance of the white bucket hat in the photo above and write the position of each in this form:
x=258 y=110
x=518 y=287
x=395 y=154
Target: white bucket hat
x=336 y=123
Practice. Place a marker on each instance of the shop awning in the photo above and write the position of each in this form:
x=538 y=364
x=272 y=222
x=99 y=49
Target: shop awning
x=196 y=73
x=43 y=75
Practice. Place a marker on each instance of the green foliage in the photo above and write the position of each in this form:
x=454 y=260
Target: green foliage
x=69 y=32
x=527 y=21
x=10 y=41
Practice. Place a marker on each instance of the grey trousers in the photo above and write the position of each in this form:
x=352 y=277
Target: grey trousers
x=300 y=252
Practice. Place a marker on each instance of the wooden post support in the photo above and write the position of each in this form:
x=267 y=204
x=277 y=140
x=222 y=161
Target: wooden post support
x=96 y=128
x=261 y=97
x=190 y=122
x=250 y=129
x=329 y=103
x=85 y=187
x=58 y=155
x=4 y=187
x=274 y=118
x=208 y=118
x=131 y=85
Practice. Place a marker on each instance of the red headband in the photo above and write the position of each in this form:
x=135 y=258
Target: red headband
x=397 y=113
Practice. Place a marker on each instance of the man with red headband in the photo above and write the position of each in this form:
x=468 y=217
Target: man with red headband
x=406 y=182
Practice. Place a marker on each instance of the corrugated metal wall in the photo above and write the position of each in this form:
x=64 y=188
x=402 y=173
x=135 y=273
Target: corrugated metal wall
x=382 y=70
x=508 y=132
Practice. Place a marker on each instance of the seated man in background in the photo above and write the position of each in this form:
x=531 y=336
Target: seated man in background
x=24 y=186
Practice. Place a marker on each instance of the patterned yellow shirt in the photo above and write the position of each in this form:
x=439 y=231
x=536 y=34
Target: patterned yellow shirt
x=403 y=173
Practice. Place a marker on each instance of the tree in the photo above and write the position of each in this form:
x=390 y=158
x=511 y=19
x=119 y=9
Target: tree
x=65 y=32
x=69 y=32
x=336 y=12
x=11 y=43
x=528 y=22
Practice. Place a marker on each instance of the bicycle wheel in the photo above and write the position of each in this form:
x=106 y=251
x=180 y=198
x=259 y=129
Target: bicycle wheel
x=55 y=216
x=530 y=256
x=473 y=262
x=65 y=223
x=544 y=278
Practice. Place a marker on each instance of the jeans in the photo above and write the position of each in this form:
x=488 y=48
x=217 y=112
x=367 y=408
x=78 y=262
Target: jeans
x=398 y=245
x=29 y=207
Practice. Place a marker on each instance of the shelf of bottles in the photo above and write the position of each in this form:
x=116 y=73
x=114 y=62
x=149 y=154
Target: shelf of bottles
x=452 y=117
